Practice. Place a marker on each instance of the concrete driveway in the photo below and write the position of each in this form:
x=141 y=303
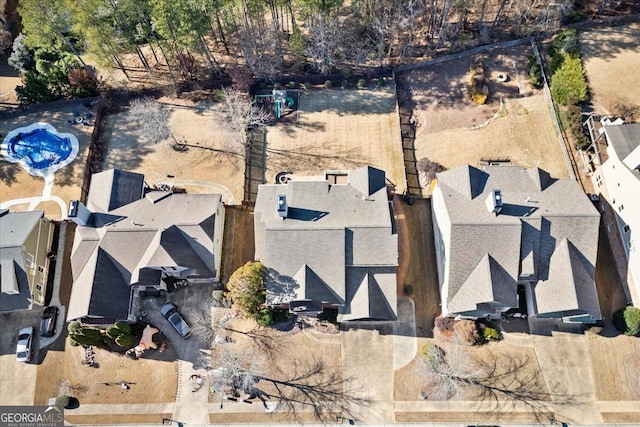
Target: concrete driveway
x=188 y=300
x=18 y=380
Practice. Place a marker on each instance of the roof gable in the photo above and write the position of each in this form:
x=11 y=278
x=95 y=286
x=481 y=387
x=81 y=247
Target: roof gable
x=114 y=188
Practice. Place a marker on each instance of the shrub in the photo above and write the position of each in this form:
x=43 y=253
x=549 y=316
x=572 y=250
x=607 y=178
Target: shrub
x=408 y=289
x=307 y=85
x=292 y=85
x=381 y=82
x=263 y=317
x=344 y=84
x=444 y=324
x=362 y=83
x=568 y=85
x=122 y=334
x=467 y=332
x=535 y=72
x=246 y=288
x=490 y=334
x=479 y=88
x=328 y=84
x=86 y=336
x=627 y=321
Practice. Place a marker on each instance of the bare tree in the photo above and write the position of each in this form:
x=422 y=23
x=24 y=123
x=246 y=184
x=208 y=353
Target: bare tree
x=497 y=380
x=242 y=373
x=243 y=117
x=325 y=43
x=152 y=120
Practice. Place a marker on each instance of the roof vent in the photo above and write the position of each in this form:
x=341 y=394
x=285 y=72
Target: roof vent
x=494 y=202
x=283 y=209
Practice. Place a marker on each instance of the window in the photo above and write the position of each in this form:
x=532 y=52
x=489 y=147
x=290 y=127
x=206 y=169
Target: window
x=618 y=184
x=631 y=245
x=40 y=269
x=620 y=208
x=598 y=180
x=29 y=260
x=39 y=286
x=626 y=228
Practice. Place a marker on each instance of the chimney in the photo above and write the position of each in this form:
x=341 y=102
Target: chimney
x=283 y=209
x=79 y=213
x=494 y=202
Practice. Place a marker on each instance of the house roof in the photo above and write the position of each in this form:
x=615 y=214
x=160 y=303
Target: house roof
x=489 y=252
x=328 y=228
x=165 y=230
x=114 y=188
x=625 y=140
x=15 y=227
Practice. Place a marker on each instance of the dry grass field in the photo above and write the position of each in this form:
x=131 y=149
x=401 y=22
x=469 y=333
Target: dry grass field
x=453 y=130
x=64 y=373
x=616 y=367
x=611 y=58
x=16 y=183
x=339 y=129
x=208 y=157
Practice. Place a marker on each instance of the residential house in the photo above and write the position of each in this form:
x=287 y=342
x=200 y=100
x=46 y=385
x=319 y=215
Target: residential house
x=131 y=240
x=621 y=173
x=25 y=254
x=505 y=232
x=329 y=242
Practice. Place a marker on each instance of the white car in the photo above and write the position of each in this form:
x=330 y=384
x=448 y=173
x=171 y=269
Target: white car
x=23 y=350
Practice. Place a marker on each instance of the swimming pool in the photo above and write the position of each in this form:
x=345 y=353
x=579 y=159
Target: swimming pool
x=39 y=148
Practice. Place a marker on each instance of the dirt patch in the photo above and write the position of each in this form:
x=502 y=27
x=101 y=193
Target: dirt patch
x=64 y=373
x=339 y=129
x=611 y=57
x=116 y=419
x=451 y=129
x=418 y=275
x=208 y=157
x=238 y=247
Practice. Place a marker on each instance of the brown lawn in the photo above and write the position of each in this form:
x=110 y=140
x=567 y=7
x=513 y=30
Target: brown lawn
x=64 y=373
x=339 y=129
x=616 y=367
x=445 y=116
x=209 y=157
x=611 y=57
x=238 y=246
x=92 y=420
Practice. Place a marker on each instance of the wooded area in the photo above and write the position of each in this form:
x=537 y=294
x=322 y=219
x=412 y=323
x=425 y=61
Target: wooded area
x=205 y=39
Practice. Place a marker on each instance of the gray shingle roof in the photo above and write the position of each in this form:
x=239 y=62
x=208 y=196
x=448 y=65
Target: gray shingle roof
x=16 y=226
x=167 y=231
x=488 y=252
x=114 y=188
x=624 y=138
x=328 y=228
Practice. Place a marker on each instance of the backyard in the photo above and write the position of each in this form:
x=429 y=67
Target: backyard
x=611 y=56
x=515 y=124
x=339 y=129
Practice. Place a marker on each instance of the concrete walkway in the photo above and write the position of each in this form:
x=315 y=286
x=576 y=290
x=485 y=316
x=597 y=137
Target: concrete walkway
x=33 y=202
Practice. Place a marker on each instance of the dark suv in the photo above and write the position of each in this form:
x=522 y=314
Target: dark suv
x=48 y=322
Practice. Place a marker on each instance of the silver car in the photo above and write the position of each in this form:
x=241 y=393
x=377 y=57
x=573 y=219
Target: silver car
x=171 y=313
x=25 y=339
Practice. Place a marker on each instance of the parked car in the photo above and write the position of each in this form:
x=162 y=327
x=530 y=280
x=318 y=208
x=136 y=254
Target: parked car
x=48 y=322
x=25 y=339
x=171 y=313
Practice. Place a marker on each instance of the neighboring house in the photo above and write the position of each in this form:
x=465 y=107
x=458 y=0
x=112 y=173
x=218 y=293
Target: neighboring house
x=329 y=242
x=505 y=232
x=621 y=173
x=25 y=249
x=130 y=241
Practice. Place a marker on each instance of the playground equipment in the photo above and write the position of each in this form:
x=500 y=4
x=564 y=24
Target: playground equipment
x=280 y=100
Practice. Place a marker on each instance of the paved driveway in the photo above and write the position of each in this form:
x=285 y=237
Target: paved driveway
x=18 y=380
